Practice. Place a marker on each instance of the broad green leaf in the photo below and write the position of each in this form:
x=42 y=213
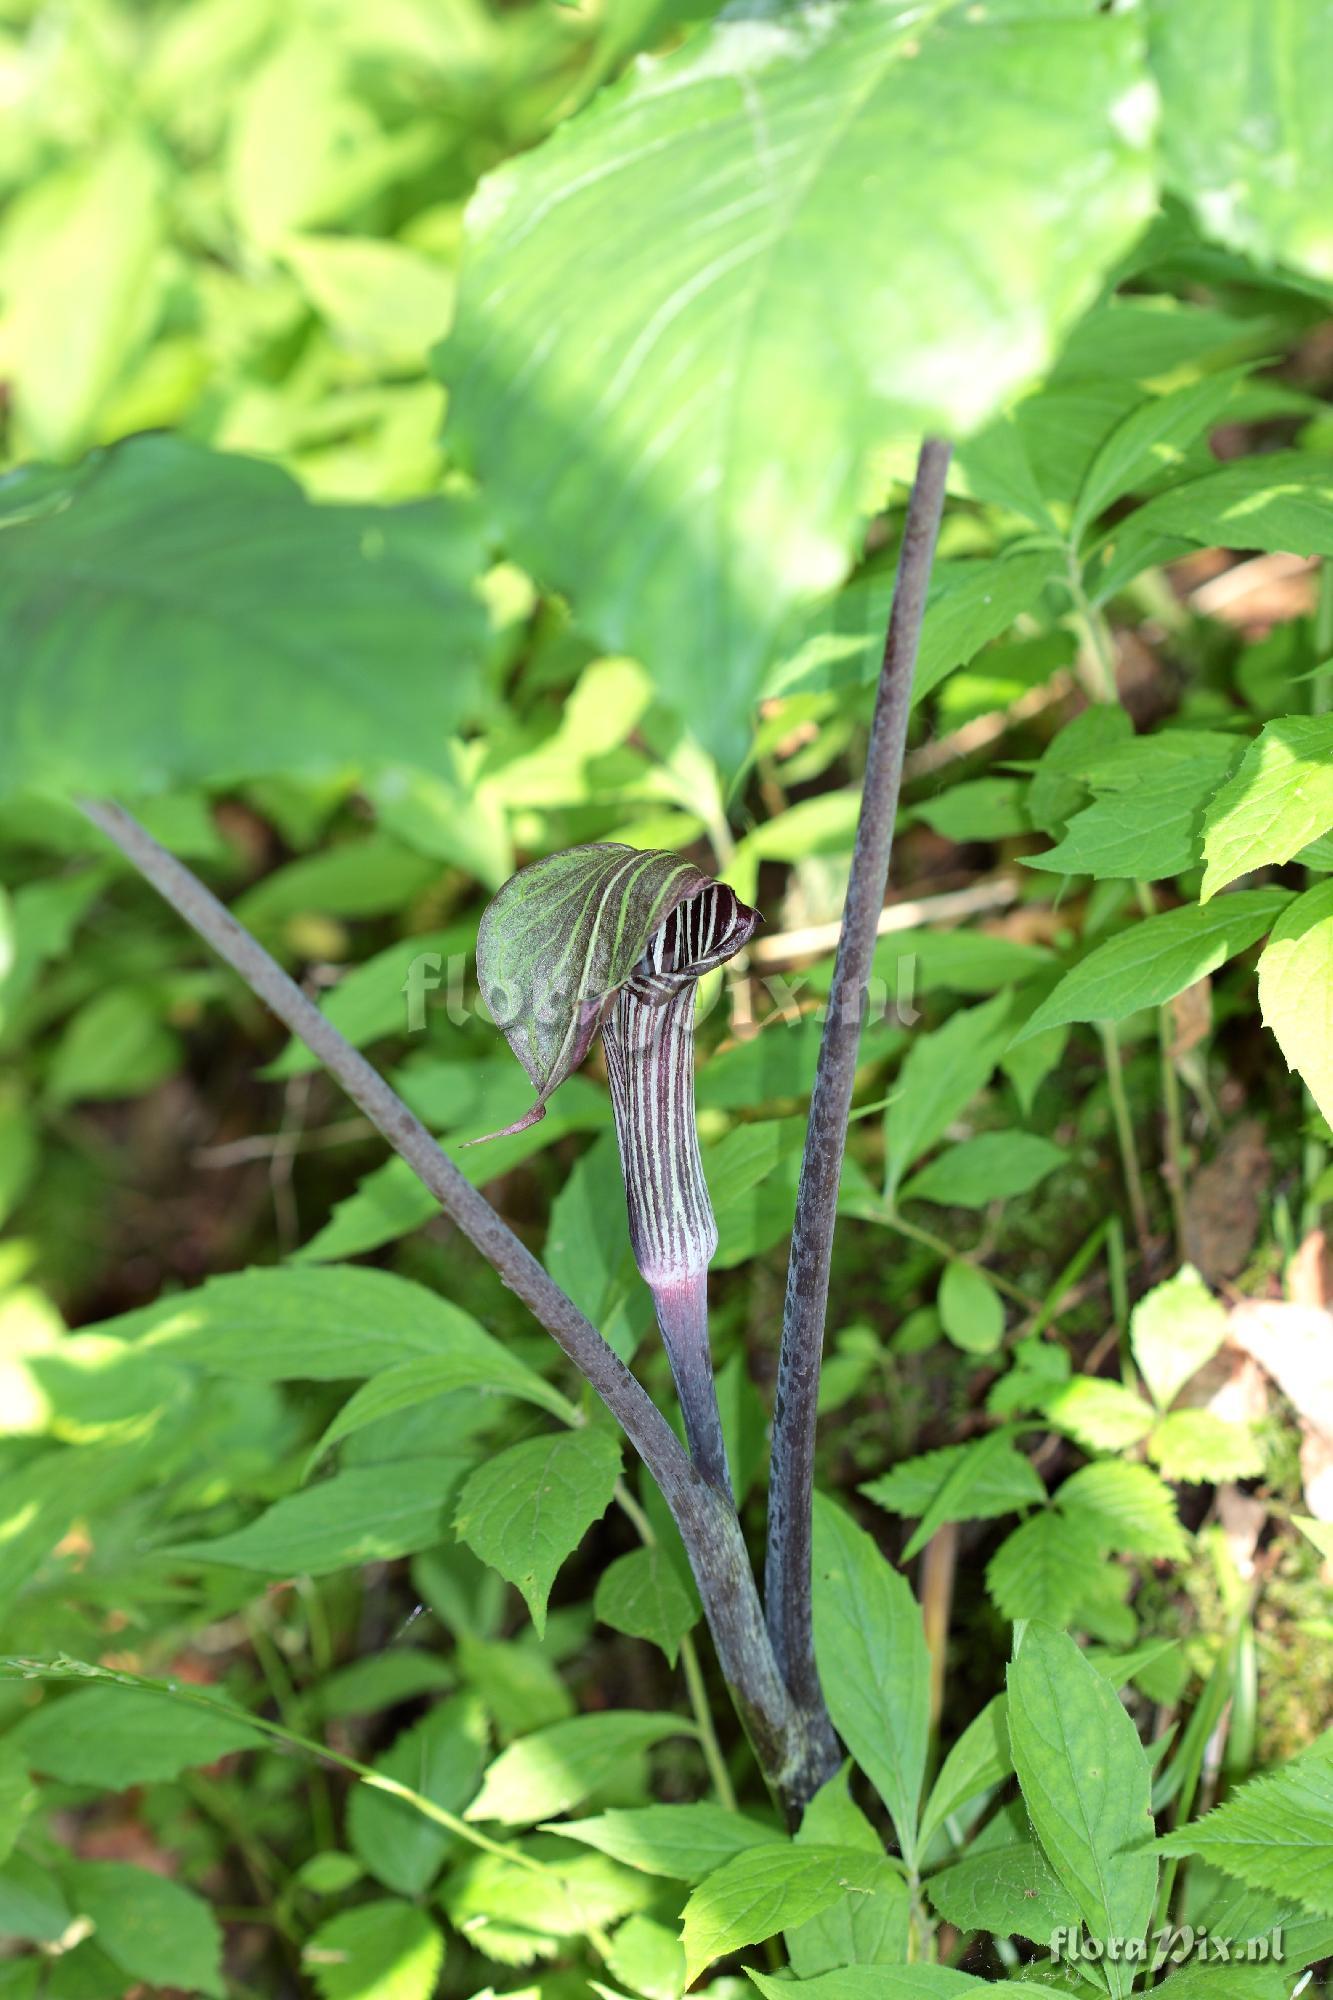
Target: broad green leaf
x=561 y=937
x=382 y=1681
x=1278 y=501
x=990 y=1168
x=441 y=1757
x=1085 y=1783
x=118 y=1737
x=1103 y=1416
x=889 y=1982
x=518 y=1683
x=864 y=1925
x=1245 y=128
x=980 y=1480
x=369 y=875
x=1145 y=821
x=1157 y=958
x=81 y=293
x=555 y=1769
x=1192 y=1445
x=1280 y=799
x=293 y=132
x=641 y=1593
x=765 y=1890
x=355 y=1517
x=988 y=809
x=1126 y=1507
x=389 y=994
x=115 y=1046
x=1173 y=1330
x=382 y=298
x=291 y=636
x=478 y=1362
x=978 y=1761
x=648 y=1958
x=297 y=1324
x=155 y=1930
x=1005 y=1886
x=32 y=1904
x=528 y=1508
x=971 y=1310
x=593 y=1264
x=684 y=1843
x=1041 y=1570
x=379 y=1951
x=761 y=147
x=942 y=1073
x=1151 y=440
x=871 y=1649
x=510 y=1913
x=1296 y=990
x=1274 y=1832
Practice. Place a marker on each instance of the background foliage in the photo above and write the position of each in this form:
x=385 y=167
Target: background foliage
x=355 y=662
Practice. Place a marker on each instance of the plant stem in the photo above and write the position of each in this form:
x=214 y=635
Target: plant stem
x=706 y=1519
x=703 y=1715
x=1129 y=1159
x=788 y=1579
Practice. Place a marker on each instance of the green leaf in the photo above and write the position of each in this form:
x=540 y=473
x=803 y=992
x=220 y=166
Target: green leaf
x=1086 y=1785
x=374 y=998
x=380 y=1951
x=355 y=1517
x=1173 y=1330
x=1153 y=439
x=765 y=1890
x=1041 y=1570
x=758 y=148
x=684 y=1843
x=561 y=937
x=115 y=1046
x=382 y=1681
x=477 y=1362
x=864 y=1926
x=990 y=1168
x=871 y=1649
x=515 y=1915
x=1197 y=1444
x=1006 y=1887
x=1245 y=132
x=1156 y=959
x=1274 y=1832
x=18 y=1797
x=988 y=809
x=942 y=1073
x=980 y=1480
x=971 y=1310
x=1296 y=990
x=153 y=1929
x=1279 y=501
x=528 y=1508
x=593 y=1264
x=117 y=1737
x=1126 y=1507
x=978 y=1761
x=555 y=1769
x=79 y=255
x=889 y=1982
x=1280 y=799
x=382 y=298
x=32 y=1904
x=1145 y=821
x=1103 y=1416
x=297 y=1324
x=442 y=1758
x=267 y=634
x=648 y=1958
x=640 y=1593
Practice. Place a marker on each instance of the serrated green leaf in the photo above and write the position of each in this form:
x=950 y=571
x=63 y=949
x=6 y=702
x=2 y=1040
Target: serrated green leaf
x=684 y=1843
x=971 y=1310
x=152 y=1928
x=1280 y=799
x=990 y=1168
x=765 y=1890
x=982 y=1481
x=442 y=1758
x=863 y=1926
x=1127 y=1508
x=1245 y=133
x=514 y=1915
x=757 y=145
x=1197 y=1445
x=1280 y=501
x=1274 y=1832
x=1151 y=440
x=126 y=1736
x=1041 y=1570
x=1007 y=1889
x=1173 y=1331
x=871 y=1649
x=476 y=1361
x=528 y=1508
x=355 y=1517
x=380 y=1951
x=1086 y=1784
x=641 y=1594
x=1157 y=958
x=1296 y=990
x=555 y=1769
x=942 y=1073
x=1147 y=815
x=1103 y=1416
x=267 y=633
x=979 y=1760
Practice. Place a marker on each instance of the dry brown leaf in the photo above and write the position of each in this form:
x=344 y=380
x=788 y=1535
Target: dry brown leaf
x=1222 y=1203
x=1191 y=1017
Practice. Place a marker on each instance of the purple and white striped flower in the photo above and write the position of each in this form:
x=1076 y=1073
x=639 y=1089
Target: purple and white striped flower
x=618 y=938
